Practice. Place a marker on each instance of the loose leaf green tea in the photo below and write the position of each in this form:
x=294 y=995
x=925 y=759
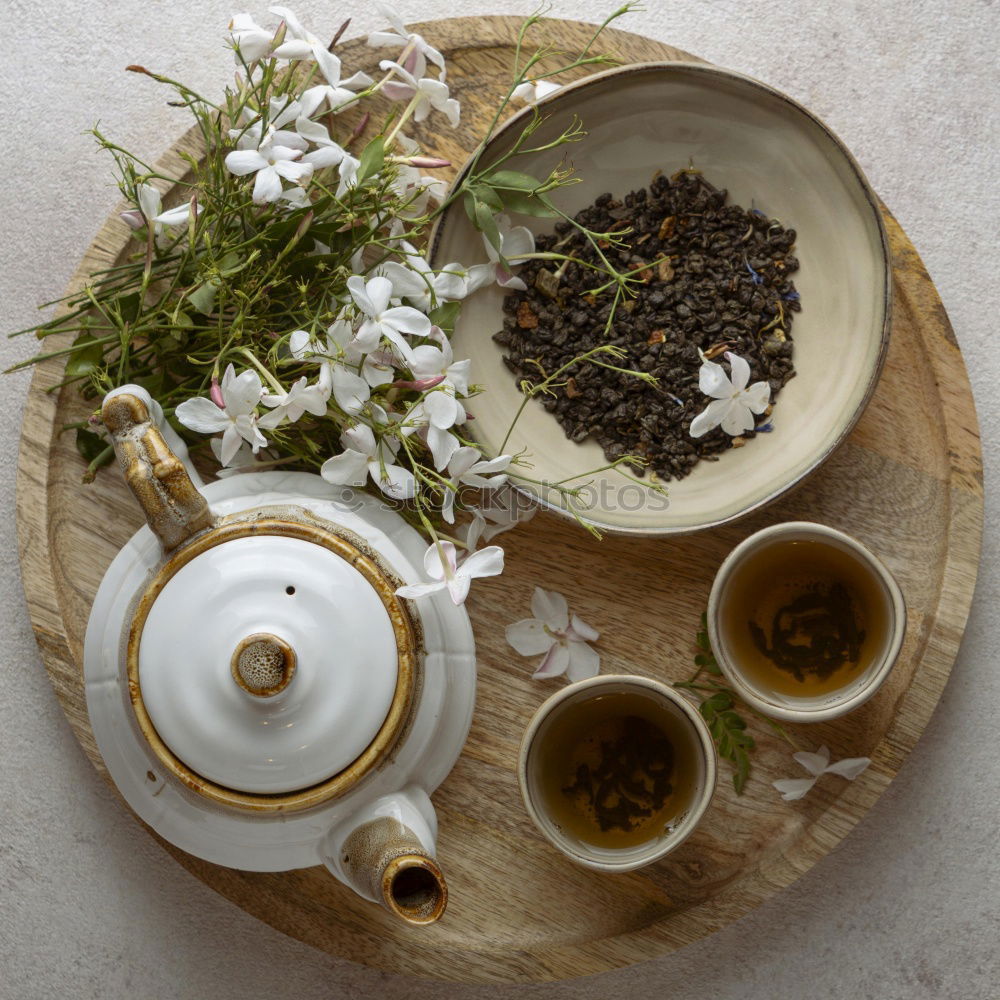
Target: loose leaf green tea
x=703 y=277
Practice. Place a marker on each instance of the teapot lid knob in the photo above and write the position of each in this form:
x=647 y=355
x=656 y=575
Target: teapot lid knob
x=263 y=664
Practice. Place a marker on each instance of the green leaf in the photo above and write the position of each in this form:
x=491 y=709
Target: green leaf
x=231 y=264
x=488 y=197
x=128 y=306
x=469 y=204
x=720 y=702
x=87 y=355
x=202 y=298
x=372 y=159
x=487 y=225
x=713 y=668
x=538 y=205
x=512 y=180
x=445 y=315
x=91 y=446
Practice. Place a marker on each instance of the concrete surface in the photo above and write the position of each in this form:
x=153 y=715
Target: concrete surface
x=909 y=905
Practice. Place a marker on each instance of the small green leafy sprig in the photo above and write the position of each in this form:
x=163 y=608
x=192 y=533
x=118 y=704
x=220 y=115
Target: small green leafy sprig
x=718 y=707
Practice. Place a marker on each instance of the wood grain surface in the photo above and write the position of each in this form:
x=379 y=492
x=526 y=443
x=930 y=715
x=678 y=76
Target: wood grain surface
x=908 y=483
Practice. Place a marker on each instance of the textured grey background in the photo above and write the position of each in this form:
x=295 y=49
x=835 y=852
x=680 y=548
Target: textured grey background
x=907 y=907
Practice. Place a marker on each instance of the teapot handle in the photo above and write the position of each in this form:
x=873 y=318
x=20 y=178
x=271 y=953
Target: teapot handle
x=174 y=509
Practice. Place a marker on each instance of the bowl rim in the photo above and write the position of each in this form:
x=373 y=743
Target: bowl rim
x=854 y=695
x=871 y=198
x=696 y=811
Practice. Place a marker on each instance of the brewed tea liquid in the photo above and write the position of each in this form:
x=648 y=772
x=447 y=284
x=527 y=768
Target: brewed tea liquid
x=804 y=618
x=617 y=770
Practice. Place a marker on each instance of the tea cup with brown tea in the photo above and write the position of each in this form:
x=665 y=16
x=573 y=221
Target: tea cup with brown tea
x=616 y=771
x=805 y=622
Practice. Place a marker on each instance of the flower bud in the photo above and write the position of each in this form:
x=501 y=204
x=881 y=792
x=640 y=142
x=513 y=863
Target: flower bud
x=215 y=394
x=421 y=385
x=132 y=218
x=425 y=162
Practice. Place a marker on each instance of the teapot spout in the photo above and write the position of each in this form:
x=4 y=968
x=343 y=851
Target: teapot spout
x=385 y=853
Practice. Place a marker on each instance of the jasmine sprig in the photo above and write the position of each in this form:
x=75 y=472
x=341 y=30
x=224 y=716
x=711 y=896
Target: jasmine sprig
x=719 y=706
x=259 y=310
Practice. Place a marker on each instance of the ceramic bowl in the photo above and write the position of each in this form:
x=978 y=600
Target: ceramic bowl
x=887 y=642
x=771 y=154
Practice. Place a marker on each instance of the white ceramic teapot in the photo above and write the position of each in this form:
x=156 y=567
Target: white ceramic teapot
x=259 y=694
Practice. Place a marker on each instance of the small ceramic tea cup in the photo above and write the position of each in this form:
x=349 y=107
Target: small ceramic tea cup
x=691 y=767
x=728 y=626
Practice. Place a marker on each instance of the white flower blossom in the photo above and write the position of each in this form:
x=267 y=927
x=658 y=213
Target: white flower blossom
x=237 y=420
x=413 y=187
x=419 y=50
x=733 y=404
x=327 y=152
x=302 y=44
x=271 y=163
x=428 y=361
x=362 y=457
x=372 y=298
x=281 y=111
x=300 y=398
x=514 y=243
x=242 y=461
x=433 y=415
x=504 y=511
x=417 y=281
x=533 y=91
x=253 y=41
x=342 y=351
x=295 y=198
x=818 y=764
x=151 y=211
x=427 y=93
x=439 y=409
x=445 y=571
x=338 y=367
x=468 y=468
x=562 y=639
x=337 y=94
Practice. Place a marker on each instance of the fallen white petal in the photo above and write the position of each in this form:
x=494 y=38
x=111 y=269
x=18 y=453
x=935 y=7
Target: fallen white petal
x=555 y=663
x=793 y=788
x=584 y=662
x=584 y=631
x=849 y=767
x=529 y=637
x=814 y=763
x=550 y=607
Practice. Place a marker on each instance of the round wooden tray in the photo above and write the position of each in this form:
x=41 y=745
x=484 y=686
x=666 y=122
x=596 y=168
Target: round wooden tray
x=908 y=482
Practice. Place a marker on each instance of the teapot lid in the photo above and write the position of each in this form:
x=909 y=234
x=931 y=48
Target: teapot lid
x=270 y=656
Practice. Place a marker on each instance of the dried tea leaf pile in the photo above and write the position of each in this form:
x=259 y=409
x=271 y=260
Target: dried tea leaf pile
x=714 y=277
